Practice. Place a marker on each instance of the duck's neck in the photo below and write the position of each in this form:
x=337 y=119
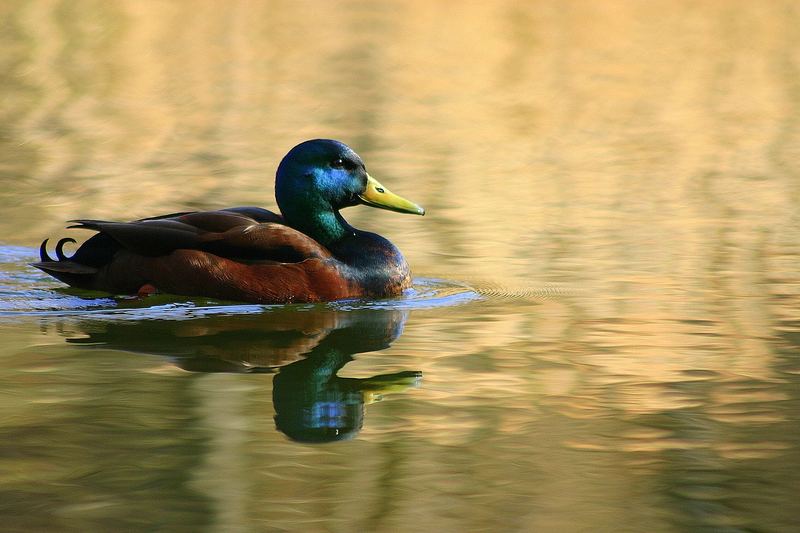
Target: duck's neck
x=324 y=226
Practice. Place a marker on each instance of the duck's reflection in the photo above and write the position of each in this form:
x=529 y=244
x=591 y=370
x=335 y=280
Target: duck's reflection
x=306 y=348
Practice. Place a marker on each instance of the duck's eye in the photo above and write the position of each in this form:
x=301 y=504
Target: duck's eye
x=343 y=163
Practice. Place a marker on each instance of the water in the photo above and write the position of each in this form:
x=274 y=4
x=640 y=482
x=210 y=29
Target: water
x=603 y=333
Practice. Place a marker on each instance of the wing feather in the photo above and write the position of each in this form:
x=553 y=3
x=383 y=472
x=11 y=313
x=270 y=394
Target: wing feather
x=248 y=233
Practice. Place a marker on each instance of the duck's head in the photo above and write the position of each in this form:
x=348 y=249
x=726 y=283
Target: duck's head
x=324 y=175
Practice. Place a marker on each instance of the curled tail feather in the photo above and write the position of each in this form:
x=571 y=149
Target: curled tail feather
x=43 y=252
x=63 y=267
x=60 y=248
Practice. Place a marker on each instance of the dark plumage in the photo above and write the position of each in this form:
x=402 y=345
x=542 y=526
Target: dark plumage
x=307 y=254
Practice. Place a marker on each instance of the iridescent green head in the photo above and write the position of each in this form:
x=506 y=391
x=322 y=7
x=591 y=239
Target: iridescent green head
x=317 y=178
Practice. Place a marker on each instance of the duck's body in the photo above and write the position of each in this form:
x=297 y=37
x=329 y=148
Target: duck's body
x=250 y=254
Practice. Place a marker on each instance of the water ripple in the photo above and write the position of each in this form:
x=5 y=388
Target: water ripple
x=25 y=292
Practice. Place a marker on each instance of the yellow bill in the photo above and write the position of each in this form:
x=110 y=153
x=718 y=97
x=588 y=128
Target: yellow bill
x=377 y=195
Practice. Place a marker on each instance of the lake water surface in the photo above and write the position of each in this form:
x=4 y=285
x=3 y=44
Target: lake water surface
x=604 y=330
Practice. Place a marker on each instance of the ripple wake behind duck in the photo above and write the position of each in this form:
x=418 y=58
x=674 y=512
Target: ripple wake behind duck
x=548 y=291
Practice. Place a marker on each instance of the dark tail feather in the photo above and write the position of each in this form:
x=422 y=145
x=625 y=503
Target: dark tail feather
x=87 y=224
x=60 y=248
x=43 y=251
x=70 y=272
x=64 y=267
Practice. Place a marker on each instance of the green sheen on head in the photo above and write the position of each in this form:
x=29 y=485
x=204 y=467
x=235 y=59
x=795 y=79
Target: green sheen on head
x=319 y=177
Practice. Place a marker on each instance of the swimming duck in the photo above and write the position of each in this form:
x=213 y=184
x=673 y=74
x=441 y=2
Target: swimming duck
x=308 y=253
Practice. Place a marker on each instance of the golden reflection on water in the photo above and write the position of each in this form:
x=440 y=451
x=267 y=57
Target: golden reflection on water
x=619 y=179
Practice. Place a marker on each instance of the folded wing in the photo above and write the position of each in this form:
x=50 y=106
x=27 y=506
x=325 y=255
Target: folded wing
x=246 y=235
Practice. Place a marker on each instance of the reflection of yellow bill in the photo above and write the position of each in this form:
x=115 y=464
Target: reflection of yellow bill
x=375 y=388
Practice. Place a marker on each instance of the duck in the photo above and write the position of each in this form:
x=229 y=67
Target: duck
x=307 y=253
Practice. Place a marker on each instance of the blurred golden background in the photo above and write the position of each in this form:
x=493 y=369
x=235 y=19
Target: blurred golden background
x=619 y=181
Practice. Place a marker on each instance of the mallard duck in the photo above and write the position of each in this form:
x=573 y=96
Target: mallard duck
x=308 y=253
